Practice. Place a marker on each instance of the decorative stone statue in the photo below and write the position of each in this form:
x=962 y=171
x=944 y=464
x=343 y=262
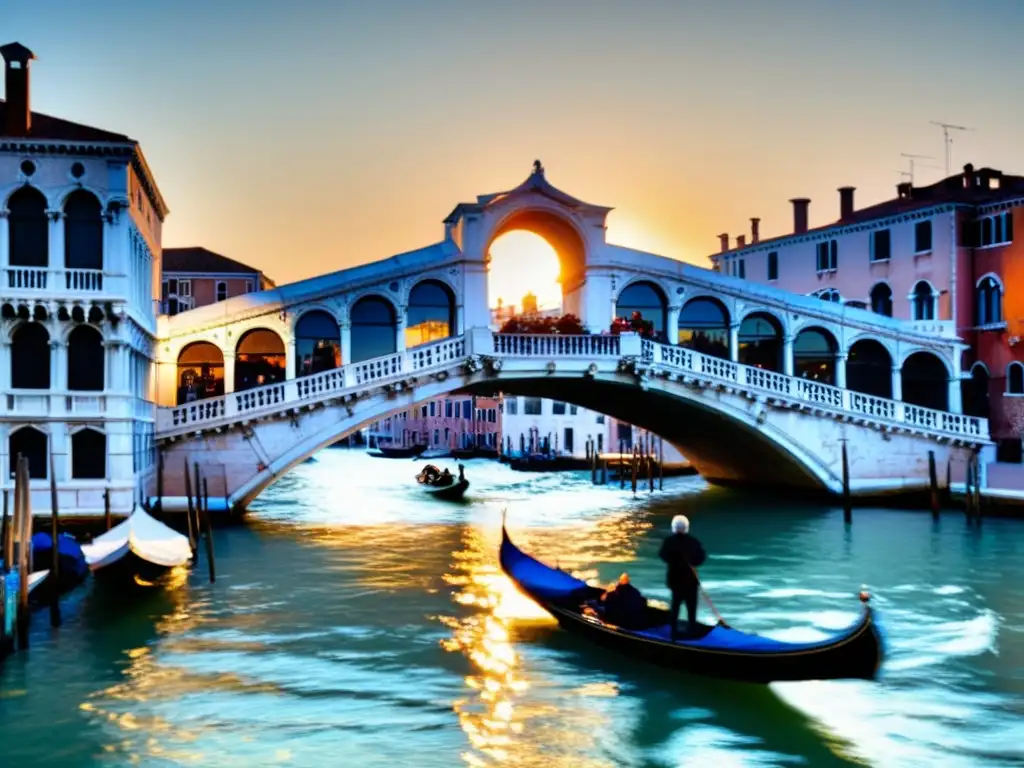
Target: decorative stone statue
x=537 y=167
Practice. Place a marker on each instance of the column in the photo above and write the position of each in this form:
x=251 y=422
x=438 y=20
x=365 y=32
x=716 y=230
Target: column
x=841 y=370
x=289 y=358
x=955 y=398
x=58 y=365
x=897 y=383
x=734 y=342
x=55 y=280
x=5 y=364
x=400 y=321
x=115 y=375
x=5 y=239
x=229 y=372
x=460 y=320
x=346 y=342
x=787 y=355
x=672 y=324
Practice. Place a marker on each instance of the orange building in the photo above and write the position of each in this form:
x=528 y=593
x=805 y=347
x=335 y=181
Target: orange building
x=194 y=277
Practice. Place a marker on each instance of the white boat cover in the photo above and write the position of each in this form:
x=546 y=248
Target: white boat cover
x=148 y=538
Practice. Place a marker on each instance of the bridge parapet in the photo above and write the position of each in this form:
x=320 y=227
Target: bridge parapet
x=609 y=354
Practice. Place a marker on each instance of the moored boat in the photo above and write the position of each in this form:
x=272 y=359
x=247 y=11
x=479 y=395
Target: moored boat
x=138 y=550
x=71 y=567
x=396 y=452
x=713 y=651
x=442 y=485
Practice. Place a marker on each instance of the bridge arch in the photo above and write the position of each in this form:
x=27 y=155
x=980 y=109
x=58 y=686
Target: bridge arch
x=260 y=358
x=317 y=338
x=431 y=312
x=703 y=325
x=646 y=296
x=814 y=354
x=925 y=380
x=869 y=367
x=200 y=372
x=558 y=228
x=761 y=340
x=374 y=327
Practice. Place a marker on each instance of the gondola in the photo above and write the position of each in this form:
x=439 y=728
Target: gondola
x=440 y=486
x=139 y=550
x=71 y=567
x=713 y=651
x=395 y=452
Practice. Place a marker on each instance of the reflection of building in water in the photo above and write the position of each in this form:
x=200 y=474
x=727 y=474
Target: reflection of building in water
x=453 y=422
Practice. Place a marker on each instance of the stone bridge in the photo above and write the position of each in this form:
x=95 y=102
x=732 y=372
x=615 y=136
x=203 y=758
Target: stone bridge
x=758 y=387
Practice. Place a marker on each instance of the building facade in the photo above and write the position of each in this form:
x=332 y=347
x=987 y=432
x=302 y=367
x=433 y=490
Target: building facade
x=444 y=423
x=80 y=233
x=942 y=256
x=195 y=277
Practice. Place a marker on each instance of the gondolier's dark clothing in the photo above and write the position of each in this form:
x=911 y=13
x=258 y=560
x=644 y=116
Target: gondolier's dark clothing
x=682 y=553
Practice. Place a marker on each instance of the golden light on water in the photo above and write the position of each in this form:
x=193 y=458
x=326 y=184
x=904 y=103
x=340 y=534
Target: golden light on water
x=523 y=262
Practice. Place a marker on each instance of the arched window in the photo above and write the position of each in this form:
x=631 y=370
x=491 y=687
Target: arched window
x=30 y=357
x=814 y=355
x=829 y=294
x=200 y=372
x=647 y=299
x=88 y=455
x=317 y=343
x=925 y=381
x=85 y=359
x=989 y=302
x=32 y=444
x=881 y=300
x=869 y=369
x=373 y=328
x=760 y=340
x=975 y=392
x=29 y=229
x=259 y=359
x=431 y=313
x=83 y=231
x=704 y=327
x=923 y=301
x=1015 y=379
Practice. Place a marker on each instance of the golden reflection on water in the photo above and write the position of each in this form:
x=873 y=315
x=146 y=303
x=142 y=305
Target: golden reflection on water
x=507 y=716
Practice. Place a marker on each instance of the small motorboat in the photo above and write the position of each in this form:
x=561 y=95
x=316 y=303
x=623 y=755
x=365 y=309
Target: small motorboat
x=714 y=651
x=397 y=452
x=71 y=567
x=140 y=549
x=442 y=485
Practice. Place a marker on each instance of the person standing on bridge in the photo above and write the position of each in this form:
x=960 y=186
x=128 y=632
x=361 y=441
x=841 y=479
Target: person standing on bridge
x=683 y=554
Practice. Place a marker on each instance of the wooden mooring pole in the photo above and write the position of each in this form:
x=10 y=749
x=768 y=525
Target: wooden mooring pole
x=23 y=508
x=54 y=577
x=633 y=464
x=190 y=510
x=107 y=518
x=968 y=492
x=160 y=481
x=661 y=463
x=5 y=540
x=847 y=505
x=933 y=484
x=209 y=532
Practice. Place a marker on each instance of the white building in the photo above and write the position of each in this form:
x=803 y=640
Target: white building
x=80 y=230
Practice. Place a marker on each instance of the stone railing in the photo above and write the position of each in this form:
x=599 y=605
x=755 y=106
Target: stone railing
x=607 y=350
x=810 y=393
x=52 y=280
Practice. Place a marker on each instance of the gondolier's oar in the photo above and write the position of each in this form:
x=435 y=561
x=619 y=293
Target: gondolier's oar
x=707 y=597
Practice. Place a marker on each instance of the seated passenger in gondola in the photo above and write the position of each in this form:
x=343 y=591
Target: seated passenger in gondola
x=445 y=478
x=624 y=605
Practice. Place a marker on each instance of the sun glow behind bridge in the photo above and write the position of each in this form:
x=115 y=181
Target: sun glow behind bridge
x=524 y=262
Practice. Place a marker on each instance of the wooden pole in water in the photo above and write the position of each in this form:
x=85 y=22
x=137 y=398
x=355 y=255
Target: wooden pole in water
x=604 y=472
x=933 y=483
x=54 y=577
x=650 y=473
x=209 y=532
x=977 y=486
x=21 y=478
x=160 y=480
x=633 y=464
x=189 y=510
x=847 y=506
x=5 y=549
x=108 y=521
x=593 y=465
x=949 y=480
x=968 y=493
x=661 y=463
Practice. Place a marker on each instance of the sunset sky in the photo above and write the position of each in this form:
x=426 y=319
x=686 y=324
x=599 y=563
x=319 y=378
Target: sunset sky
x=313 y=135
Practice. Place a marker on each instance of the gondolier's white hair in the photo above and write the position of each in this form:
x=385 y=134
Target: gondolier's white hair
x=680 y=524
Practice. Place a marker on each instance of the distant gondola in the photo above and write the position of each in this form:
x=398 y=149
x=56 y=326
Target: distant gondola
x=72 y=568
x=440 y=485
x=395 y=452
x=713 y=651
x=138 y=550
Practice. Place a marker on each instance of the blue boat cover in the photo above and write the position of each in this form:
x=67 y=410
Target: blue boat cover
x=551 y=584
x=71 y=557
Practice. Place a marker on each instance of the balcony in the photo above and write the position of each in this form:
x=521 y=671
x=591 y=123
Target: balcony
x=51 y=280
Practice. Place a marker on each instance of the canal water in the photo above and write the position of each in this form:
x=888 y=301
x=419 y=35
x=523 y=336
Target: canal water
x=355 y=624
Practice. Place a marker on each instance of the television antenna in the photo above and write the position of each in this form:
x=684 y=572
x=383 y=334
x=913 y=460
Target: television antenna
x=947 y=140
x=911 y=158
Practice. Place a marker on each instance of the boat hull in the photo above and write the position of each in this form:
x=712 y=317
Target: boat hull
x=130 y=571
x=385 y=452
x=716 y=652
x=454 y=492
x=72 y=569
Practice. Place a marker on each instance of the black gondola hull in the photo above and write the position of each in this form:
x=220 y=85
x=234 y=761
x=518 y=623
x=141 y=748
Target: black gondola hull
x=856 y=653
x=453 y=492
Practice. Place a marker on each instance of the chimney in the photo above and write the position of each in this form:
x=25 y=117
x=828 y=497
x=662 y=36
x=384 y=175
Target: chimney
x=800 y=205
x=18 y=110
x=755 y=230
x=724 y=240
x=969 y=176
x=904 y=189
x=846 y=202
x=741 y=241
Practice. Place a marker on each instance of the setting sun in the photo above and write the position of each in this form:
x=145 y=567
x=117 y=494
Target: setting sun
x=523 y=262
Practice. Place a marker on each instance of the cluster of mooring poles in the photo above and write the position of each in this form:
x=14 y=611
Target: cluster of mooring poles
x=646 y=457
x=937 y=496
x=197 y=512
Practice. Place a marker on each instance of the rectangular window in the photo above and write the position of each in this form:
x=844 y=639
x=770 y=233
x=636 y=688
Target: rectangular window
x=184 y=287
x=458 y=409
x=828 y=256
x=532 y=406
x=881 y=245
x=448 y=408
x=741 y=268
x=431 y=407
x=557 y=408
x=511 y=406
x=164 y=290
x=922 y=237
x=467 y=409
x=995 y=230
x=773 y=265
x=222 y=290
x=573 y=410
x=600 y=418
x=250 y=286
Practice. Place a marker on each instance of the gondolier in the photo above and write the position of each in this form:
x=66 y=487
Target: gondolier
x=683 y=554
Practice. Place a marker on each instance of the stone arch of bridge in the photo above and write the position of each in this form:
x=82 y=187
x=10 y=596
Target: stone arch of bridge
x=728 y=444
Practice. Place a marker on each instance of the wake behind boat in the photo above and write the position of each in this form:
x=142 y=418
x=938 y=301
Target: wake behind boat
x=140 y=549
x=713 y=651
x=442 y=485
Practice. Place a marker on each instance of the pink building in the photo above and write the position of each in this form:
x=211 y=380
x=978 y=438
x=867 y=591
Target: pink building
x=453 y=422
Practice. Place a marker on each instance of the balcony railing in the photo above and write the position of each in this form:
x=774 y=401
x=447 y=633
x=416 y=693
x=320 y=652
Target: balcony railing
x=32 y=279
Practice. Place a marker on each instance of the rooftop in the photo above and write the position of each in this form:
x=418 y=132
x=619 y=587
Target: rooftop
x=58 y=129
x=195 y=259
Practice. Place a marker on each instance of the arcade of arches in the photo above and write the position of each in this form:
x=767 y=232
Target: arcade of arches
x=28 y=228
